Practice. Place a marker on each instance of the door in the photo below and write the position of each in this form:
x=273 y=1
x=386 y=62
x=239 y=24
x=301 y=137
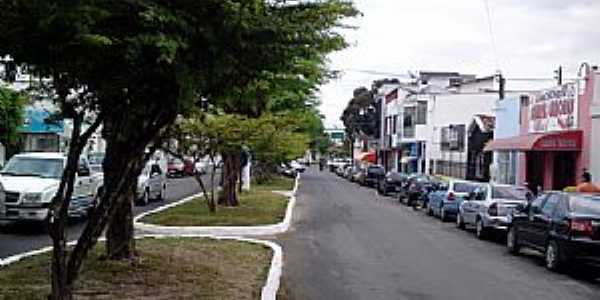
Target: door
x=155 y=180
x=542 y=221
x=564 y=170
x=535 y=169
x=471 y=207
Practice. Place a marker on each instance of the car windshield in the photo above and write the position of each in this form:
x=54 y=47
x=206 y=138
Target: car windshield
x=378 y=170
x=96 y=158
x=40 y=167
x=588 y=205
x=463 y=187
x=509 y=192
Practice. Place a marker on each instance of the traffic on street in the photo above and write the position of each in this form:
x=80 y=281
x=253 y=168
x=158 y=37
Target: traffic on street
x=20 y=237
x=351 y=242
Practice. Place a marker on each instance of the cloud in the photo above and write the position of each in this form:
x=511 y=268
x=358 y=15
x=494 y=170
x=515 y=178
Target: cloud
x=532 y=37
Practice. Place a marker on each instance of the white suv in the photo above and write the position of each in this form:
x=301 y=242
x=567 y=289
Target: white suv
x=29 y=181
x=152 y=184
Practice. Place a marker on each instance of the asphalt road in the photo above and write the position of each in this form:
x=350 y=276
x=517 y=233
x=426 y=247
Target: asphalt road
x=348 y=243
x=19 y=238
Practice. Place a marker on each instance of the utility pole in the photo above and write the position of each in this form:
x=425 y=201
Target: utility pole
x=558 y=75
x=502 y=86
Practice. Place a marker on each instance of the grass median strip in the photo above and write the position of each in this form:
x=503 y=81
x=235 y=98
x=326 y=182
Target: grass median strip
x=260 y=206
x=170 y=268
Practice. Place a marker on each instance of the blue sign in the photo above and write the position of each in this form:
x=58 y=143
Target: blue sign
x=36 y=121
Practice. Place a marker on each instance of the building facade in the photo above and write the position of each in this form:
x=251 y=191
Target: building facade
x=555 y=138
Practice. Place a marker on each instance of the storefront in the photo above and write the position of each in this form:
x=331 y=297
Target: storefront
x=553 y=147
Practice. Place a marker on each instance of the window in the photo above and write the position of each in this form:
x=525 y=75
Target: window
x=461 y=187
x=155 y=170
x=589 y=205
x=548 y=208
x=536 y=205
x=509 y=192
x=409 y=122
x=395 y=124
x=421 y=115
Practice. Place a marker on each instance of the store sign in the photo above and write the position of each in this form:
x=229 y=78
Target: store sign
x=554 y=110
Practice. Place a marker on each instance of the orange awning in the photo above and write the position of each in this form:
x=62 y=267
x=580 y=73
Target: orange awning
x=368 y=157
x=556 y=141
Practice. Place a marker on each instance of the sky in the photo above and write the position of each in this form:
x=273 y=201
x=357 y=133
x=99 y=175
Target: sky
x=528 y=38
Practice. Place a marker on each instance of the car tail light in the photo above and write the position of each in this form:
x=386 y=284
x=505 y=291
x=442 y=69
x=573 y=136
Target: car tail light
x=493 y=210
x=451 y=196
x=582 y=228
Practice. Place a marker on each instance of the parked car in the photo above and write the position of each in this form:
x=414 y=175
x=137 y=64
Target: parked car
x=444 y=202
x=565 y=227
x=391 y=182
x=488 y=206
x=340 y=171
x=189 y=168
x=334 y=163
x=287 y=171
x=416 y=187
x=175 y=167
x=29 y=181
x=152 y=184
x=300 y=168
x=96 y=159
x=348 y=172
x=359 y=174
x=373 y=174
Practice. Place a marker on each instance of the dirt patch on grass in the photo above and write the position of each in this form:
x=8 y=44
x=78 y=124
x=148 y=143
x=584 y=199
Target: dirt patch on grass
x=174 y=268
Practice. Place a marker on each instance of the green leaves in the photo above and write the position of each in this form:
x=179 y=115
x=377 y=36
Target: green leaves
x=11 y=115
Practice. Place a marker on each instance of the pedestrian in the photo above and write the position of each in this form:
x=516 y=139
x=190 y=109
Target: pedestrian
x=586 y=186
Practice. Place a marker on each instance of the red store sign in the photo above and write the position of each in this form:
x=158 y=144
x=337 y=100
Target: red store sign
x=554 y=110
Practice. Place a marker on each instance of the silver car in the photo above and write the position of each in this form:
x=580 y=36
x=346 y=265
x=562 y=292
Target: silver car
x=152 y=184
x=488 y=207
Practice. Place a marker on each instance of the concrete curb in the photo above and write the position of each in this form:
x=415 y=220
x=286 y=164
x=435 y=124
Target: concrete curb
x=271 y=287
x=261 y=230
x=268 y=292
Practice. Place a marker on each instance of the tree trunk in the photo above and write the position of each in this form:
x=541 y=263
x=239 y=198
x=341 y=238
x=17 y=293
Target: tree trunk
x=120 y=238
x=211 y=205
x=231 y=165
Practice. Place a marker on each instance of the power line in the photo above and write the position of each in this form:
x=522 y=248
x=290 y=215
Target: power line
x=491 y=32
x=379 y=73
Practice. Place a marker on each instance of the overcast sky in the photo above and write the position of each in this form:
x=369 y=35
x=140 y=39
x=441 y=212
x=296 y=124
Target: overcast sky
x=531 y=38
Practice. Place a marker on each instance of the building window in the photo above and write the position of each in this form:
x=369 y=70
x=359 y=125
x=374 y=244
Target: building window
x=453 y=138
x=421 y=115
x=409 y=121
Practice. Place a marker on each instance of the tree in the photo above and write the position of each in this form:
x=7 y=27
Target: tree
x=11 y=117
x=137 y=64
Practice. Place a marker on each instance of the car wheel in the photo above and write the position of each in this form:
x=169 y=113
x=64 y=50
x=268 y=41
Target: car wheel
x=429 y=210
x=163 y=193
x=145 y=198
x=460 y=223
x=443 y=216
x=512 y=243
x=480 y=230
x=552 y=257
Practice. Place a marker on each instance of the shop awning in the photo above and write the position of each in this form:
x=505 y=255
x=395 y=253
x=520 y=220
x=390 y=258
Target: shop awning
x=368 y=157
x=556 y=141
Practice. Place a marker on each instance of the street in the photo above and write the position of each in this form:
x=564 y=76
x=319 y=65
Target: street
x=19 y=238
x=349 y=243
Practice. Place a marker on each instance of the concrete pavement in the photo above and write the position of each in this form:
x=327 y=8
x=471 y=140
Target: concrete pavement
x=348 y=243
x=19 y=238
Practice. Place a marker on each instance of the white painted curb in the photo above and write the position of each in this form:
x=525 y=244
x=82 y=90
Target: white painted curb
x=261 y=230
x=269 y=290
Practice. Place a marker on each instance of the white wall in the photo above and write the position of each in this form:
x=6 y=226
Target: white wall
x=454 y=109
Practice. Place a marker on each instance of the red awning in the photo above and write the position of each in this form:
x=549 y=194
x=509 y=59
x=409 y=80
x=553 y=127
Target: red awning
x=368 y=157
x=556 y=141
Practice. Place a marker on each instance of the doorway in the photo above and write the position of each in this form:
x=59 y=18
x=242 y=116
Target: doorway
x=564 y=170
x=535 y=169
